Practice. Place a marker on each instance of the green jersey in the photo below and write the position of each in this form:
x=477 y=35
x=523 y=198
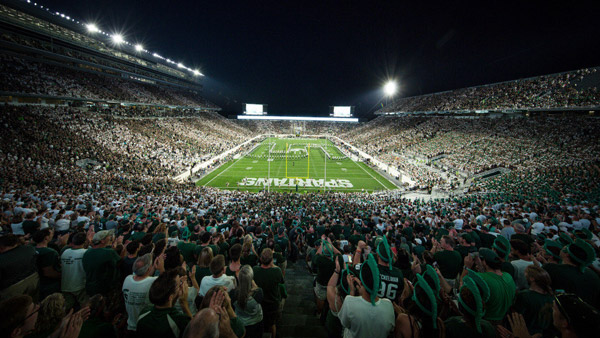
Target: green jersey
x=392 y=282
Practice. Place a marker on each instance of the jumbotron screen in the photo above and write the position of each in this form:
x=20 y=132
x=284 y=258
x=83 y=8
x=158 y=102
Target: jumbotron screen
x=255 y=109
x=342 y=111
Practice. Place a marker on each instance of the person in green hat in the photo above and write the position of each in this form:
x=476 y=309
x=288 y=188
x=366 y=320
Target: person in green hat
x=501 y=247
x=422 y=317
x=471 y=324
x=324 y=264
x=573 y=275
x=501 y=284
x=366 y=315
x=392 y=280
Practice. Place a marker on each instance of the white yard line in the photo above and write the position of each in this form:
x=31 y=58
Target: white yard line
x=219 y=174
x=368 y=173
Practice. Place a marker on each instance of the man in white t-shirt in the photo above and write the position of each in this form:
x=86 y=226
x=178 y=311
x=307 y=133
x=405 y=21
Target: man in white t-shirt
x=73 y=276
x=217 y=268
x=136 y=288
x=366 y=315
x=521 y=253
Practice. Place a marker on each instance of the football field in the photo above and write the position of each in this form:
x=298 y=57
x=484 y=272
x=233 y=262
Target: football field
x=296 y=165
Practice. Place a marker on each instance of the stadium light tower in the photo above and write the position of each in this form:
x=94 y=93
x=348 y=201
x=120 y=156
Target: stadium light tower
x=92 y=28
x=390 y=88
x=117 y=38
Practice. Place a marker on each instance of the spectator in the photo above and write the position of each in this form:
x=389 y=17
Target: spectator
x=248 y=303
x=163 y=320
x=366 y=315
x=18 y=271
x=217 y=269
x=270 y=279
x=136 y=289
x=72 y=272
x=100 y=265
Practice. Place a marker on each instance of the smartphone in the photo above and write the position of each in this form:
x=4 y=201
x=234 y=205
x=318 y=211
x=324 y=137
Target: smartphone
x=474 y=254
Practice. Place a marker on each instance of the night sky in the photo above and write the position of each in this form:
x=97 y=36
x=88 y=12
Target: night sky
x=302 y=57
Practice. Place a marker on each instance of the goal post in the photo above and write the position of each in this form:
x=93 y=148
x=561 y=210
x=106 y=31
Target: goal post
x=287 y=147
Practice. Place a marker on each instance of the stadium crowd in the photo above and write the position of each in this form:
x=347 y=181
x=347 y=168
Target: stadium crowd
x=564 y=90
x=181 y=262
x=471 y=146
x=21 y=75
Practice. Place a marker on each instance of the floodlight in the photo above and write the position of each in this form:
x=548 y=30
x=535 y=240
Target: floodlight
x=117 y=38
x=197 y=72
x=92 y=28
x=139 y=47
x=390 y=88
x=180 y=65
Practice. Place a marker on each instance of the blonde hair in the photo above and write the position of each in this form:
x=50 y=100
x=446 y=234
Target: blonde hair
x=206 y=256
x=52 y=311
x=540 y=277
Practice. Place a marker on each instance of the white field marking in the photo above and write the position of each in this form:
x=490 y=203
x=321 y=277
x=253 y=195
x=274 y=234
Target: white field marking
x=368 y=173
x=248 y=168
x=339 y=163
x=344 y=169
x=255 y=161
x=219 y=174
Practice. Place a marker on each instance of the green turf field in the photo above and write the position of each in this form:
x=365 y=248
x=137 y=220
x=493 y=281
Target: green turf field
x=292 y=165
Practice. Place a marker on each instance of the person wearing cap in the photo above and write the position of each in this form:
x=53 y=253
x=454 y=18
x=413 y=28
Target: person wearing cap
x=366 y=315
x=501 y=284
x=337 y=290
x=324 y=264
x=100 y=264
x=573 y=275
x=501 y=247
x=422 y=309
x=471 y=323
x=392 y=280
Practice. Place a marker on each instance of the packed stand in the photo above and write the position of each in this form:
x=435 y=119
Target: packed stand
x=67 y=146
x=179 y=263
x=20 y=75
x=564 y=90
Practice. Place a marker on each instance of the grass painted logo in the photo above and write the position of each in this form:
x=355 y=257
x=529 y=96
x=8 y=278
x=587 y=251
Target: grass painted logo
x=292 y=182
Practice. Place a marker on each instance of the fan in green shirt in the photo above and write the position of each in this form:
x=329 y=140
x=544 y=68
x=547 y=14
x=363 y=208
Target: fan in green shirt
x=270 y=279
x=163 y=319
x=100 y=264
x=501 y=285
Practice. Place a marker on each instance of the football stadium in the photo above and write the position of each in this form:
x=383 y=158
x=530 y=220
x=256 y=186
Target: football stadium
x=337 y=169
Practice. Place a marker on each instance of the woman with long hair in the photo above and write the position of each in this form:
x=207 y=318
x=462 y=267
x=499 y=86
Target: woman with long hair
x=247 y=305
x=535 y=303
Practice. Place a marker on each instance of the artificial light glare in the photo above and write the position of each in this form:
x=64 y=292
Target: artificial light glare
x=92 y=28
x=117 y=38
x=390 y=88
x=139 y=47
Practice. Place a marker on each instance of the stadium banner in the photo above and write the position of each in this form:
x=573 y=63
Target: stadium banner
x=292 y=182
